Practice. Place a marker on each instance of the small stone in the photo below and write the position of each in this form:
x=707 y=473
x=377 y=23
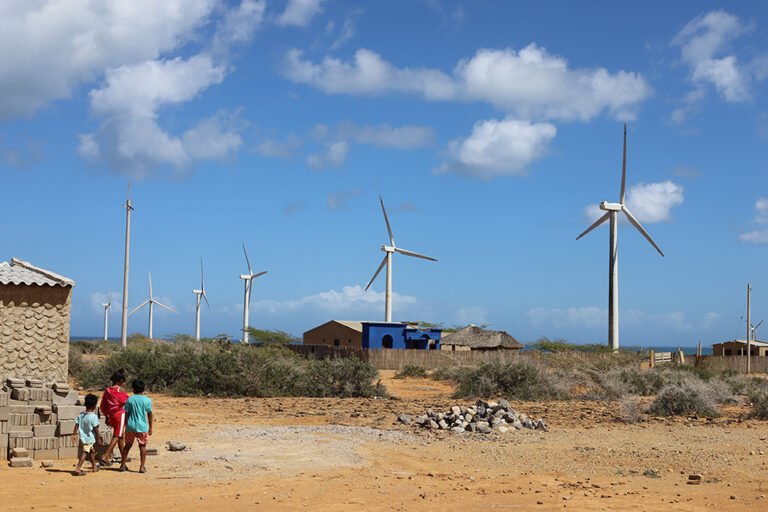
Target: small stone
x=433 y=425
x=694 y=477
x=484 y=429
x=405 y=419
x=442 y=424
x=46 y=463
x=176 y=446
x=458 y=430
x=456 y=410
x=502 y=430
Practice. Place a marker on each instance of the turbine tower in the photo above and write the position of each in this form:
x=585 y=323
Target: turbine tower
x=248 y=281
x=611 y=213
x=389 y=250
x=124 y=311
x=151 y=302
x=198 y=295
x=107 y=308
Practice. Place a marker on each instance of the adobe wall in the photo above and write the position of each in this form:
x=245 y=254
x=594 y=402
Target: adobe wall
x=34 y=332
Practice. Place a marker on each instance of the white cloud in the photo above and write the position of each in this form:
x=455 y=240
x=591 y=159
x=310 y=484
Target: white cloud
x=471 y=315
x=531 y=83
x=238 y=25
x=340 y=200
x=758 y=236
x=275 y=148
x=129 y=102
x=648 y=202
x=499 y=148
x=299 y=13
x=405 y=137
x=703 y=41
x=710 y=319
x=69 y=43
x=590 y=316
x=333 y=155
x=350 y=300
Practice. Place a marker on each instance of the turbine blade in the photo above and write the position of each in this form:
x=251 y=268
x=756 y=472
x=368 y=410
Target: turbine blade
x=150 y=285
x=202 y=277
x=640 y=228
x=758 y=325
x=624 y=167
x=378 y=270
x=206 y=299
x=139 y=307
x=414 y=254
x=164 y=306
x=254 y=276
x=597 y=223
x=386 y=219
x=247 y=260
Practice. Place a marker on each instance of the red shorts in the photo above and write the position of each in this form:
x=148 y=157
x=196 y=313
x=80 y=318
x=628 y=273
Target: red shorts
x=140 y=437
x=117 y=422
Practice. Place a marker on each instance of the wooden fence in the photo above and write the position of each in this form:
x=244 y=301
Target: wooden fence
x=736 y=363
x=396 y=359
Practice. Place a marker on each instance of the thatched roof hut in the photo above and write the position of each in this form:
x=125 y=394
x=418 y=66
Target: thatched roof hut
x=476 y=338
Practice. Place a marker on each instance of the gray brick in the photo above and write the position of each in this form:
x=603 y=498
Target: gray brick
x=19 y=452
x=46 y=454
x=5 y=411
x=22 y=408
x=45 y=443
x=22 y=462
x=65 y=427
x=60 y=387
x=19 y=434
x=65 y=398
x=20 y=394
x=3 y=399
x=68 y=453
x=45 y=430
x=67 y=412
x=3 y=442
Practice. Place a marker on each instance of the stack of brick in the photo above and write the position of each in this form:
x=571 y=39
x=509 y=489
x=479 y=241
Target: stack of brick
x=40 y=419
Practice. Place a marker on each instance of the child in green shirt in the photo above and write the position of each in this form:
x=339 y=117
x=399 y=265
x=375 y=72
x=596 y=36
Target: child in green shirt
x=138 y=424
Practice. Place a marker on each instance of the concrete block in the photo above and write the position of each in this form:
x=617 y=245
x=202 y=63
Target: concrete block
x=4 y=398
x=19 y=452
x=68 y=442
x=25 y=442
x=46 y=454
x=3 y=427
x=67 y=412
x=20 y=394
x=22 y=462
x=60 y=387
x=13 y=382
x=20 y=434
x=5 y=411
x=45 y=430
x=65 y=398
x=68 y=453
x=34 y=383
x=3 y=442
x=43 y=409
x=45 y=443
x=24 y=408
x=22 y=419
x=65 y=427
x=4 y=454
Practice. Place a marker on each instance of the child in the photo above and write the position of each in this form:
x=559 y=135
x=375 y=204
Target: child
x=138 y=413
x=113 y=408
x=87 y=425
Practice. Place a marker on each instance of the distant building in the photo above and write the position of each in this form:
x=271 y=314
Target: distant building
x=739 y=348
x=373 y=335
x=34 y=322
x=476 y=338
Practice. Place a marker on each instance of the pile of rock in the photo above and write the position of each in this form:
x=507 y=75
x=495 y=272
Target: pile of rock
x=483 y=417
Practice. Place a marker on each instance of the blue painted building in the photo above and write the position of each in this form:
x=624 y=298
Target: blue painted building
x=373 y=335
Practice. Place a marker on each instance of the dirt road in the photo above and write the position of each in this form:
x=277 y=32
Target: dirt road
x=349 y=455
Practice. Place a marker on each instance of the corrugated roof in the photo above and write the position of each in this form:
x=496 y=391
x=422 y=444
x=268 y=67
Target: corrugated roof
x=475 y=337
x=357 y=326
x=756 y=343
x=22 y=272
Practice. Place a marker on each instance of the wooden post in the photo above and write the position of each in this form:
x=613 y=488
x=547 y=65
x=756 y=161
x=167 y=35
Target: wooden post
x=653 y=358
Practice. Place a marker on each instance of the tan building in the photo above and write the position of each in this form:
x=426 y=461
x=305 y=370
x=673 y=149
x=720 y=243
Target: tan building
x=739 y=348
x=476 y=338
x=336 y=333
x=34 y=322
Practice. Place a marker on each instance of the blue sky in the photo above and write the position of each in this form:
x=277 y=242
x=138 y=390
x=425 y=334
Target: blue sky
x=491 y=130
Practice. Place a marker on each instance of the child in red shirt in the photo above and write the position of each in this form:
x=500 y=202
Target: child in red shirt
x=113 y=408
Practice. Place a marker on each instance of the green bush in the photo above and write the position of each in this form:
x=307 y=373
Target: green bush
x=759 y=399
x=686 y=397
x=191 y=368
x=521 y=379
x=411 y=371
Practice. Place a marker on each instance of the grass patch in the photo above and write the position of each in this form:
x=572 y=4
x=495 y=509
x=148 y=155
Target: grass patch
x=411 y=371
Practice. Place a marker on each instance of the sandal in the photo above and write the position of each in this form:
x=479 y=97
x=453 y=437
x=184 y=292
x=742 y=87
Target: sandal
x=78 y=472
x=143 y=470
x=123 y=469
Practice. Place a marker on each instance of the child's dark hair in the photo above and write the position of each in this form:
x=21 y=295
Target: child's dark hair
x=118 y=376
x=138 y=386
x=90 y=401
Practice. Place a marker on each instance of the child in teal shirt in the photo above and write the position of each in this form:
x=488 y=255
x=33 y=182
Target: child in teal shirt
x=138 y=424
x=87 y=430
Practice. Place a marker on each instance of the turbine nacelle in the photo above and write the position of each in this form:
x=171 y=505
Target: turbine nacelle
x=611 y=207
x=388 y=248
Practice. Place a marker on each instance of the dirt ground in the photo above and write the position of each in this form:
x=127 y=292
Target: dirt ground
x=350 y=455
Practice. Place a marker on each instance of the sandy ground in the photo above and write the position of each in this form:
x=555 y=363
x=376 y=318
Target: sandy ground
x=350 y=455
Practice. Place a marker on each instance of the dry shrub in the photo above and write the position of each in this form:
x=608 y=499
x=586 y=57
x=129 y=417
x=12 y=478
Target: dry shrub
x=631 y=411
x=411 y=371
x=759 y=399
x=520 y=379
x=689 y=396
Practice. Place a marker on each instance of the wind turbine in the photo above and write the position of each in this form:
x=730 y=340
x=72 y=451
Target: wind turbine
x=107 y=308
x=151 y=302
x=248 y=281
x=611 y=213
x=124 y=310
x=754 y=330
x=198 y=295
x=389 y=250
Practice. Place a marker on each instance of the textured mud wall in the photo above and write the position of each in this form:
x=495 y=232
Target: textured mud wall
x=34 y=332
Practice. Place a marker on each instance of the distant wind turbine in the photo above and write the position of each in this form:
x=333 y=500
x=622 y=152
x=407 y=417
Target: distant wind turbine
x=248 y=281
x=611 y=213
x=107 y=308
x=200 y=294
x=151 y=302
x=389 y=250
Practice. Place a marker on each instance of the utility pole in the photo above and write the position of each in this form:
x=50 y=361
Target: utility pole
x=124 y=327
x=749 y=329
